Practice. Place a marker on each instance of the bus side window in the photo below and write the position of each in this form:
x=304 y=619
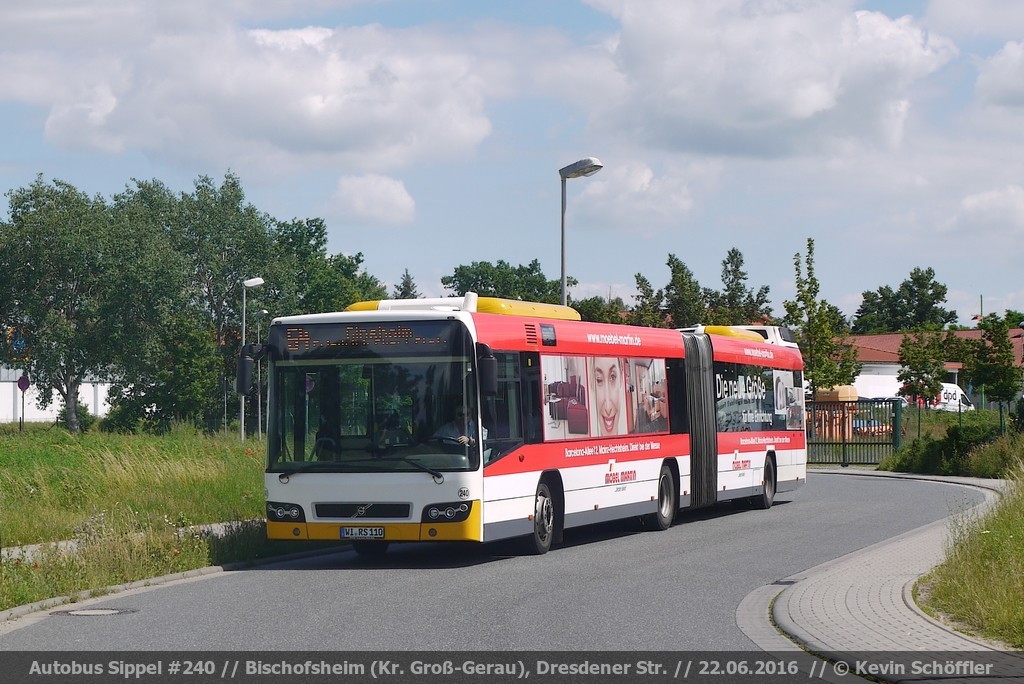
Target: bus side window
x=679 y=417
x=506 y=423
x=532 y=394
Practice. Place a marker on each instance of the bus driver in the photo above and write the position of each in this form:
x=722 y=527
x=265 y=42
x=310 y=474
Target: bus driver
x=459 y=430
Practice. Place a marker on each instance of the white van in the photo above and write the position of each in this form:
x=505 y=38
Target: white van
x=949 y=398
x=952 y=398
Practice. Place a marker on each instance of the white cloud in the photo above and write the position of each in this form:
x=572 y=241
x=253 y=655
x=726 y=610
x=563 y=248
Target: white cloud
x=187 y=81
x=977 y=18
x=630 y=195
x=996 y=212
x=366 y=98
x=985 y=236
x=1001 y=77
x=82 y=123
x=721 y=123
x=765 y=79
x=374 y=199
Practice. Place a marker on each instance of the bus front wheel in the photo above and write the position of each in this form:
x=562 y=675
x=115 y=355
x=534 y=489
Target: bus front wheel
x=543 y=521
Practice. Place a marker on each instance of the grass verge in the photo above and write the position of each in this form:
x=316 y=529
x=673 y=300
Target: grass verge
x=980 y=586
x=132 y=506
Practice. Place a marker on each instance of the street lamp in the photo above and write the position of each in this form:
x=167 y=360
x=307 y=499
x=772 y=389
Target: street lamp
x=246 y=284
x=584 y=167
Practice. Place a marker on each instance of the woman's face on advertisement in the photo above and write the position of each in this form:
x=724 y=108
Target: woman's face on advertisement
x=607 y=393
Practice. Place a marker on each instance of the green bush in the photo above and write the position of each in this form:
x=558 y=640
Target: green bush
x=85 y=419
x=998 y=458
x=962 y=450
x=971 y=444
x=122 y=420
x=1017 y=416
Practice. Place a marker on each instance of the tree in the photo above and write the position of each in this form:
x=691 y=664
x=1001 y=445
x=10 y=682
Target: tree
x=406 y=289
x=599 y=309
x=226 y=241
x=829 y=360
x=342 y=281
x=501 y=279
x=88 y=304
x=922 y=365
x=736 y=303
x=685 y=302
x=877 y=312
x=308 y=280
x=989 y=362
x=211 y=240
x=647 y=310
x=1013 y=318
x=161 y=319
x=300 y=247
x=167 y=365
x=182 y=383
x=915 y=305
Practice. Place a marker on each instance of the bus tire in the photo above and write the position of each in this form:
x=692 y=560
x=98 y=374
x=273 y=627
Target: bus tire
x=666 y=512
x=539 y=542
x=370 y=547
x=767 y=496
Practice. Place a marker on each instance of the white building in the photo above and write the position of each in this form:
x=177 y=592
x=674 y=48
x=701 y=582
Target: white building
x=92 y=395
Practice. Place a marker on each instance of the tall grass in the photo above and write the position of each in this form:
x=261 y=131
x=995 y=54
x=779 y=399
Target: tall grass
x=113 y=547
x=54 y=482
x=131 y=506
x=981 y=583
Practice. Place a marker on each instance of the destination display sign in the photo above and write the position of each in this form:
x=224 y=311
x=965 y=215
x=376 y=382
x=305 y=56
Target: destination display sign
x=342 y=339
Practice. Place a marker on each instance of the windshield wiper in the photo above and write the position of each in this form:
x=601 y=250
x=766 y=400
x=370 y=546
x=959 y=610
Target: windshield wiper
x=308 y=467
x=343 y=465
x=340 y=466
x=438 y=475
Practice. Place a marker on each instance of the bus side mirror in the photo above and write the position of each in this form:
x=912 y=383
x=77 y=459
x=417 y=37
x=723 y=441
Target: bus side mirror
x=487 y=366
x=243 y=369
x=243 y=374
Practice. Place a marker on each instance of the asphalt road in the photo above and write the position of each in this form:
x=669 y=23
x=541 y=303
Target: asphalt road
x=609 y=587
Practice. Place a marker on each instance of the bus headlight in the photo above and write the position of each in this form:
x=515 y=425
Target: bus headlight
x=284 y=512
x=447 y=512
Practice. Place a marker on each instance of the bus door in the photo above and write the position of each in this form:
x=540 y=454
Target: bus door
x=700 y=385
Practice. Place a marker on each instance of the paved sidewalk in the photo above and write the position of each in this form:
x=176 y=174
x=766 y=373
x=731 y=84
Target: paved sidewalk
x=860 y=609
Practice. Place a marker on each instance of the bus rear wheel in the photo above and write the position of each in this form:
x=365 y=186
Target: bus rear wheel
x=666 y=512
x=767 y=496
x=370 y=547
x=539 y=542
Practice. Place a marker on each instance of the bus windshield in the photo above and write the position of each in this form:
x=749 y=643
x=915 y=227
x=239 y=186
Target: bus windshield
x=361 y=397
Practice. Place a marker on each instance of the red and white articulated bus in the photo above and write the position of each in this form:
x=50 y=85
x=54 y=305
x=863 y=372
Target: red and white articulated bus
x=567 y=423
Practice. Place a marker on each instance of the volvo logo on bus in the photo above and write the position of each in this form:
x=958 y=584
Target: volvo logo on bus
x=361 y=511
x=463 y=492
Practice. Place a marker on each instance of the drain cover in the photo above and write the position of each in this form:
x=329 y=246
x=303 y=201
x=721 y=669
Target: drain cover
x=93 y=612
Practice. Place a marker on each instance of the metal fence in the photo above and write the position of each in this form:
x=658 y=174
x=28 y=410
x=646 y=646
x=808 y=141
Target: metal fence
x=853 y=432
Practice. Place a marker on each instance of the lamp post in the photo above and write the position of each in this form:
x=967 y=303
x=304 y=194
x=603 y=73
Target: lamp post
x=246 y=284
x=584 y=167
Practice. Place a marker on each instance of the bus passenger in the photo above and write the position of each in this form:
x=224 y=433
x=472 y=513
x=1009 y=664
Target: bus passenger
x=327 y=445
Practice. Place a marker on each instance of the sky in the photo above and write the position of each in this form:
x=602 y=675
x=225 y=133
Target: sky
x=428 y=134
